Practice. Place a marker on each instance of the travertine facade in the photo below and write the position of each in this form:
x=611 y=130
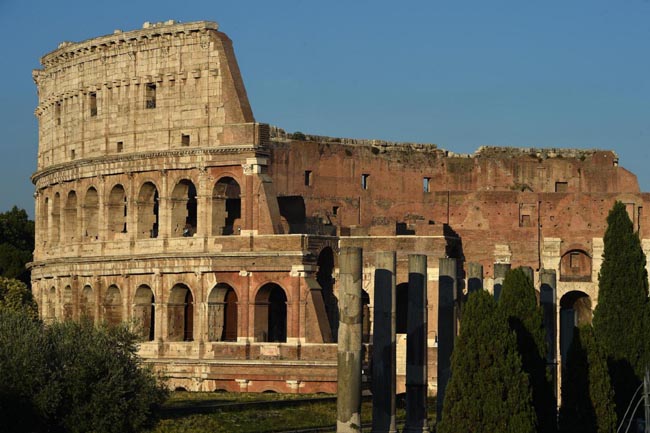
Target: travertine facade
x=161 y=201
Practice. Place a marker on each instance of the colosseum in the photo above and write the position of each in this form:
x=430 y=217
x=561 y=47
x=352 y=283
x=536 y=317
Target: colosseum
x=162 y=202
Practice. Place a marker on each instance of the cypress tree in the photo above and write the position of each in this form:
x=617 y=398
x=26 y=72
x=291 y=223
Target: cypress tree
x=518 y=305
x=620 y=316
x=587 y=396
x=488 y=392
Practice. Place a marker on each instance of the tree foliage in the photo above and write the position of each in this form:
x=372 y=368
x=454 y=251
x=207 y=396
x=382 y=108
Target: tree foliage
x=620 y=318
x=16 y=244
x=587 y=396
x=518 y=304
x=72 y=377
x=16 y=297
x=488 y=391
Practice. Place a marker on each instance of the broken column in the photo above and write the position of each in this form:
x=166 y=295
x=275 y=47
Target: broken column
x=348 y=400
x=547 y=296
x=416 y=347
x=383 y=345
x=446 y=326
x=500 y=271
x=474 y=277
x=528 y=271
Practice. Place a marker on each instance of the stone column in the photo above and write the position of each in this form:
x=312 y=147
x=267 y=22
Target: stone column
x=416 y=347
x=383 y=345
x=446 y=326
x=500 y=271
x=547 y=297
x=474 y=277
x=529 y=273
x=348 y=400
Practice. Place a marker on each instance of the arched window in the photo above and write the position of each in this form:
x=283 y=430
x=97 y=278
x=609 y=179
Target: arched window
x=67 y=303
x=575 y=310
x=222 y=313
x=87 y=303
x=180 y=309
x=326 y=282
x=91 y=214
x=43 y=229
x=56 y=220
x=113 y=305
x=117 y=211
x=183 y=203
x=144 y=312
x=226 y=207
x=51 y=304
x=575 y=266
x=70 y=218
x=148 y=211
x=271 y=314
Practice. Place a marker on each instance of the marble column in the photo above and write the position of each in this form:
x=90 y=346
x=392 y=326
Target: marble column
x=500 y=271
x=416 y=347
x=384 y=345
x=446 y=325
x=348 y=400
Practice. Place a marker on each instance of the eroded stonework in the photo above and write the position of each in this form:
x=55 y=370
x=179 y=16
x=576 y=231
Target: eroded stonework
x=161 y=201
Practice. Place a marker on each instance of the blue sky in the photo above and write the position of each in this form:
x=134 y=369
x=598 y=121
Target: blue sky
x=460 y=74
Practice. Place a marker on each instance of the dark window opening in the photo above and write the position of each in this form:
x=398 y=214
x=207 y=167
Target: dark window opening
x=426 y=184
x=150 y=96
x=335 y=210
x=120 y=146
x=72 y=153
x=325 y=279
x=226 y=207
x=93 y=104
x=308 y=178
x=57 y=113
x=561 y=186
x=185 y=140
x=292 y=209
x=364 y=181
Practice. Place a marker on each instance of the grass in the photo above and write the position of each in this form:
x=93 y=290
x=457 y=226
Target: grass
x=199 y=412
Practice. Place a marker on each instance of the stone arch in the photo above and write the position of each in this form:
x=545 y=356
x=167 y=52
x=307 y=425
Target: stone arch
x=222 y=313
x=144 y=312
x=56 y=220
x=70 y=218
x=325 y=279
x=117 y=211
x=43 y=220
x=575 y=265
x=67 y=303
x=113 y=305
x=148 y=207
x=271 y=314
x=365 y=317
x=575 y=310
x=180 y=314
x=87 y=303
x=91 y=214
x=51 y=304
x=401 y=307
x=226 y=207
x=183 y=209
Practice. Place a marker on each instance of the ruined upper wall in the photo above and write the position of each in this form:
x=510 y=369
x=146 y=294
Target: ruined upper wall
x=490 y=168
x=165 y=86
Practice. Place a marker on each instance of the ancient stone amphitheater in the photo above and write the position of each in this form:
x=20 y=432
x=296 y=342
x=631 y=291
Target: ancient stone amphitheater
x=160 y=201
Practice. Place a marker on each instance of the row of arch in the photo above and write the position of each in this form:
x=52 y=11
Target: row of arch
x=270 y=320
x=69 y=218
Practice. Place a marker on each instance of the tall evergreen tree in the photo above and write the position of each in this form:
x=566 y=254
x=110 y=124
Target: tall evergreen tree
x=488 y=392
x=587 y=396
x=620 y=317
x=16 y=244
x=518 y=304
